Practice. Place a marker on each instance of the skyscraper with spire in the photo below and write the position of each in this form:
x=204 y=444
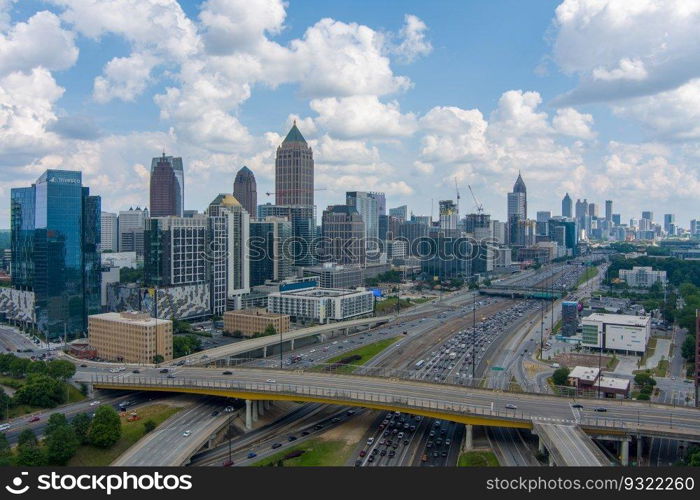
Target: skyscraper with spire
x=245 y=190
x=517 y=199
x=566 y=206
x=294 y=170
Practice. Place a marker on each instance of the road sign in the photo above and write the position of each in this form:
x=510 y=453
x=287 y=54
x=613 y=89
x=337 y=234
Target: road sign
x=497 y=368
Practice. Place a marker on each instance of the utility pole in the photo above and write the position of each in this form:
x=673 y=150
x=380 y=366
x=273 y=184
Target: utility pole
x=473 y=338
x=280 y=348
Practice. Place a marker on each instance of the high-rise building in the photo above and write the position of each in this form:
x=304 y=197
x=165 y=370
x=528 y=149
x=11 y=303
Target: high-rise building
x=109 y=232
x=245 y=190
x=542 y=223
x=163 y=189
x=608 y=210
x=565 y=234
x=449 y=217
x=55 y=236
x=167 y=186
x=366 y=206
x=132 y=224
x=670 y=224
x=381 y=201
x=566 y=206
x=517 y=199
x=294 y=170
x=303 y=219
x=268 y=258
x=228 y=253
x=617 y=219
x=592 y=210
x=648 y=215
x=343 y=235
x=478 y=225
x=399 y=212
x=569 y=318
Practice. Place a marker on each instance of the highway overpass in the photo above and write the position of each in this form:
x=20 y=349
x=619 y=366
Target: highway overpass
x=442 y=401
x=524 y=292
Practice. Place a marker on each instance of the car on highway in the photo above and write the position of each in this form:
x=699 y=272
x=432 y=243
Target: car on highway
x=291 y=438
x=363 y=453
x=95 y=403
x=511 y=406
x=35 y=418
x=170 y=375
x=370 y=459
x=227 y=372
x=187 y=433
x=600 y=409
x=215 y=413
x=136 y=371
x=228 y=463
x=164 y=370
x=252 y=454
x=276 y=445
x=578 y=406
x=270 y=381
x=305 y=433
x=228 y=409
x=83 y=366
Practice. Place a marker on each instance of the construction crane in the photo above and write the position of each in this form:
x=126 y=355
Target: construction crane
x=479 y=206
x=458 y=196
x=294 y=191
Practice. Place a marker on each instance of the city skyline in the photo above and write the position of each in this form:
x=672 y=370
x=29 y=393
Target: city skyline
x=109 y=96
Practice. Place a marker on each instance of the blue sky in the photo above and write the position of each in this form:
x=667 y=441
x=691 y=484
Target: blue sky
x=600 y=99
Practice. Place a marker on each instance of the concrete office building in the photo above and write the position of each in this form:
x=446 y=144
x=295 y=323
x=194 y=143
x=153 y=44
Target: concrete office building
x=336 y=276
x=251 y=322
x=322 y=305
x=245 y=191
x=399 y=212
x=608 y=210
x=109 y=232
x=642 y=276
x=616 y=332
x=380 y=198
x=132 y=223
x=55 y=237
x=130 y=337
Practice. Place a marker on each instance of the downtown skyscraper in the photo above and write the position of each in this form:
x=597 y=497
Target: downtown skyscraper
x=55 y=261
x=167 y=190
x=245 y=190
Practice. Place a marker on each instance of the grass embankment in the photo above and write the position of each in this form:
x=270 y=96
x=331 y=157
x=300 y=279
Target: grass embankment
x=92 y=456
x=316 y=453
x=388 y=305
x=477 y=459
x=366 y=353
x=588 y=274
x=649 y=352
x=74 y=396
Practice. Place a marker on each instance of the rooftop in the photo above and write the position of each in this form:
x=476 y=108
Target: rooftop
x=294 y=135
x=619 y=319
x=613 y=383
x=584 y=373
x=322 y=292
x=131 y=318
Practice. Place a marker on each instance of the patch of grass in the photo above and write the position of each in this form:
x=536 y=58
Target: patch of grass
x=13 y=382
x=557 y=327
x=74 y=394
x=651 y=348
x=589 y=273
x=366 y=353
x=477 y=459
x=514 y=386
x=92 y=456
x=317 y=453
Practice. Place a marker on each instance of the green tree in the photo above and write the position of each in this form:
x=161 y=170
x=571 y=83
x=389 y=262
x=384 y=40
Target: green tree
x=643 y=397
x=185 y=344
x=28 y=451
x=149 y=425
x=158 y=358
x=61 y=444
x=688 y=347
x=56 y=420
x=643 y=379
x=5 y=451
x=130 y=275
x=41 y=391
x=37 y=367
x=81 y=427
x=61 y=369
x=18 y=367
x=270 y=330
x=560 y=375
x=106 y=428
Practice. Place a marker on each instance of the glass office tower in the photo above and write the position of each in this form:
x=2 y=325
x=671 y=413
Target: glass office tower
x=56 y=234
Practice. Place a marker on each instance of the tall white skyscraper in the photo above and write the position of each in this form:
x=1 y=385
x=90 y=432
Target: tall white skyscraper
x=366 y=206
x=109 y=232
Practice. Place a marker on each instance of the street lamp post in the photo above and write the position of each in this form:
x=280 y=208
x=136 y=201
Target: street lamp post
x=280 y=348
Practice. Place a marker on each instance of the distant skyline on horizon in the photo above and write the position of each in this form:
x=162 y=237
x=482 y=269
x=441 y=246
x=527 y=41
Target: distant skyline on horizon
x=600 y=99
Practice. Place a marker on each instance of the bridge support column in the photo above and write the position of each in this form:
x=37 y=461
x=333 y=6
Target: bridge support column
x=292 y=345
x=264 y=351
x=540 y=445
x=625 y=452
x=468 y=437
x=248 y=414
x=254 y=410
x=268 y=404
x=551 y=460
x=261 y=407
x=640 y=450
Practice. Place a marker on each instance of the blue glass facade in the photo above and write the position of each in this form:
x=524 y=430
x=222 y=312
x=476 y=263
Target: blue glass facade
x=56 y=233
